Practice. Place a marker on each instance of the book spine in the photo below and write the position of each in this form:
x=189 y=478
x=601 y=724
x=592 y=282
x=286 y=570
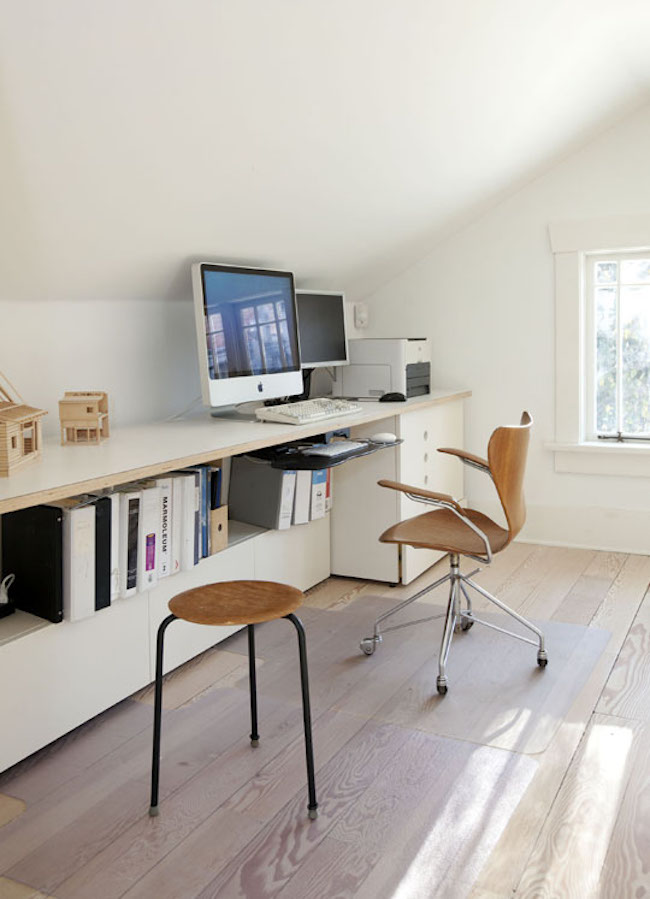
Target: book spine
x=103 y=511
x=148 y=538
x=79 y=563
x=177 y=525
x=115 y=545
x=129 y=515
x=328 y=490
x=165 y=552
x=197 y=517
x=287 y=493
x=215 y=487
x=205 y=508
x=188 y=530
x=302 y=498
x=318 y=488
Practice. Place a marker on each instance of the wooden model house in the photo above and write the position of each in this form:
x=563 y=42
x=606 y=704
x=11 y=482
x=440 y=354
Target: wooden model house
x=20 y=430
x=84 y=416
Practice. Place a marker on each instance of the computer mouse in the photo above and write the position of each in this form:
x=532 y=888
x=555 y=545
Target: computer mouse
x=384 y=437
x=392 y=398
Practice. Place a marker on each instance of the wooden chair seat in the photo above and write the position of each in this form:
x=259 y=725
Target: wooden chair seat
x=236 y=602
x=442 y=530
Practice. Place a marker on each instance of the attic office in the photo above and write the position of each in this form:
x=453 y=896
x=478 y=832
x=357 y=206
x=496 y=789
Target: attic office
x=443 y=164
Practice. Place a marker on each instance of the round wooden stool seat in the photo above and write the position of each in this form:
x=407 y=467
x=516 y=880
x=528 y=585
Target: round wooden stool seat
x=236 y=602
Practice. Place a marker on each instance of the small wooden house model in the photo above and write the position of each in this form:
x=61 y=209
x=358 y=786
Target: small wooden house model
x=20 y=429
x=84 y=416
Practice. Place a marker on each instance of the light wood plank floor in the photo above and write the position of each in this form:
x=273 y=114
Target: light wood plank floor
x=571 y=821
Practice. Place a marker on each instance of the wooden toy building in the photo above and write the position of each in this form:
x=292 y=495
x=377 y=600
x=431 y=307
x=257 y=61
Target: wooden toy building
x=84 y=416
x=20 y=429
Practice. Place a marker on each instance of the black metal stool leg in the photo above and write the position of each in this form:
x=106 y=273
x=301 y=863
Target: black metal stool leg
x=306 y=714
x=252 y=678
x=157 y=715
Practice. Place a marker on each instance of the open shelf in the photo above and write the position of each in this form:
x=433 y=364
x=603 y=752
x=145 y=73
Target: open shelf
x=18 y=625
x=239 y=531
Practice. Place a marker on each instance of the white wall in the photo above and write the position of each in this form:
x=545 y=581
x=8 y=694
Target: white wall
x=142 y=352
x=486 y=299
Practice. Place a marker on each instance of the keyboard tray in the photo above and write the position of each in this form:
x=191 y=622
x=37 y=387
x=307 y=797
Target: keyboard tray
x=291 y=457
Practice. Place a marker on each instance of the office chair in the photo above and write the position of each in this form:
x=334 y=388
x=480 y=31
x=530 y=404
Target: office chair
x=466 y=532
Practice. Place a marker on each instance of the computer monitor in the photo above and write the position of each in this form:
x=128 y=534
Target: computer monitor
x=321 y=326
x=247 y=333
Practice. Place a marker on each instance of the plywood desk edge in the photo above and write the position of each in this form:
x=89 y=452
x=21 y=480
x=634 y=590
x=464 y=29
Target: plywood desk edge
x=12 y=499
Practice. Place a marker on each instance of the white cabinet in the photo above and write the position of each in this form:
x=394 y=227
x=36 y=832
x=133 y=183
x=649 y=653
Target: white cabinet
x=362 y=510
x=61 y=675
x=420 y=464
x=299 y=556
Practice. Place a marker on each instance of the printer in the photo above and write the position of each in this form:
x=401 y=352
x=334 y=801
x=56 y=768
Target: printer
x=380 y=365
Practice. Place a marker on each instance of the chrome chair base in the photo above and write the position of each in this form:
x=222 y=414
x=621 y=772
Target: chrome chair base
x=456 y=619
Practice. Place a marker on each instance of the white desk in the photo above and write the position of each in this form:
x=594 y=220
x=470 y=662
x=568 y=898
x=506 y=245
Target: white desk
x=57 y=676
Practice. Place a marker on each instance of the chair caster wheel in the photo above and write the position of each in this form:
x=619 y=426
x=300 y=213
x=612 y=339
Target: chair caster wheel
x=441 y=687
x=542 y=659
x=466 y=624
x=313 y=814
x=368 y=644
x=255 y=742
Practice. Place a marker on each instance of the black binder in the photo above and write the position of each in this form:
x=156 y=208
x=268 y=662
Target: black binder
x=102 y=552
x=32 y=549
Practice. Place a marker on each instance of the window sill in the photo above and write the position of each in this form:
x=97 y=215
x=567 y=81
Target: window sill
x=596 y=457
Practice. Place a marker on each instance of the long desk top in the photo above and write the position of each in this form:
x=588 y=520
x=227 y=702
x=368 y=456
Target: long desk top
x=152 y=449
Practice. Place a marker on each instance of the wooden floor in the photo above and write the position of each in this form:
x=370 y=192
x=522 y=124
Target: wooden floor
x=570 y=821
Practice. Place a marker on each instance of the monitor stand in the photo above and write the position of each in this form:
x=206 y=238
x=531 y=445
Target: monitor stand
x=233 y=413
x=306 y=389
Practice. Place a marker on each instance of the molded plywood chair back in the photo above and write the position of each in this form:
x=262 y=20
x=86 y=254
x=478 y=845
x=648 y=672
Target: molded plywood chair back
x=507 y=454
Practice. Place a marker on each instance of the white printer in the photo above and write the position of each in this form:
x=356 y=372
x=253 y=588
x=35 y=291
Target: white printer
x=380 y=365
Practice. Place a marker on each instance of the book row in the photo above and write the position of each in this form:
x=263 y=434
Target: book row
x=76 y=556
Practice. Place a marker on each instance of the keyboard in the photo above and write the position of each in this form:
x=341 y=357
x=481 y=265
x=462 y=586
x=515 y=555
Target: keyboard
x=308 y=411
x=333 y=450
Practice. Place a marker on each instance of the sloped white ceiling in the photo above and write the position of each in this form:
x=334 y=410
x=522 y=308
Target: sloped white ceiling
x=338 y=139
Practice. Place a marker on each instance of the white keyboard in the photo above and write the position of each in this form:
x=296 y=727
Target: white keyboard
x=308 y=411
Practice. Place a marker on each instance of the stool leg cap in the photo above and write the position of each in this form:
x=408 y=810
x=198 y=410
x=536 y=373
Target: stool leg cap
x=313 y=813
x=154 y=811
x=255 y=742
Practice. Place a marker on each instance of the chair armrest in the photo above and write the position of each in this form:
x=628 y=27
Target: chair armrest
x=467 y=458
x=425 y=494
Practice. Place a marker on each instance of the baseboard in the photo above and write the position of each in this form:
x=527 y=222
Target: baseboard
x=585 y=527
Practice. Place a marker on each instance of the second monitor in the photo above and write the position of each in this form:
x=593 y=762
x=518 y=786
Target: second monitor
x=321 y=328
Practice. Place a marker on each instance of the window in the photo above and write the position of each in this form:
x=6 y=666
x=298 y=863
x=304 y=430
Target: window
x=217 y=346
x=602 y=345
x=29 y=438
x=266 y=336
x=617 y=356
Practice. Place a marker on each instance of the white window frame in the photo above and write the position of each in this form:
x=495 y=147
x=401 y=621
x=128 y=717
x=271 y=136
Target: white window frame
x=571 y=243
x=591 y=260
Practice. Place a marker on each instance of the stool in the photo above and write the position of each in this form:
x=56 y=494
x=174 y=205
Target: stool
x=232 y=603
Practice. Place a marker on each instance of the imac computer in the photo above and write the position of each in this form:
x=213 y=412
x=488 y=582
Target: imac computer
x=247 y=334
x=321 y=327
